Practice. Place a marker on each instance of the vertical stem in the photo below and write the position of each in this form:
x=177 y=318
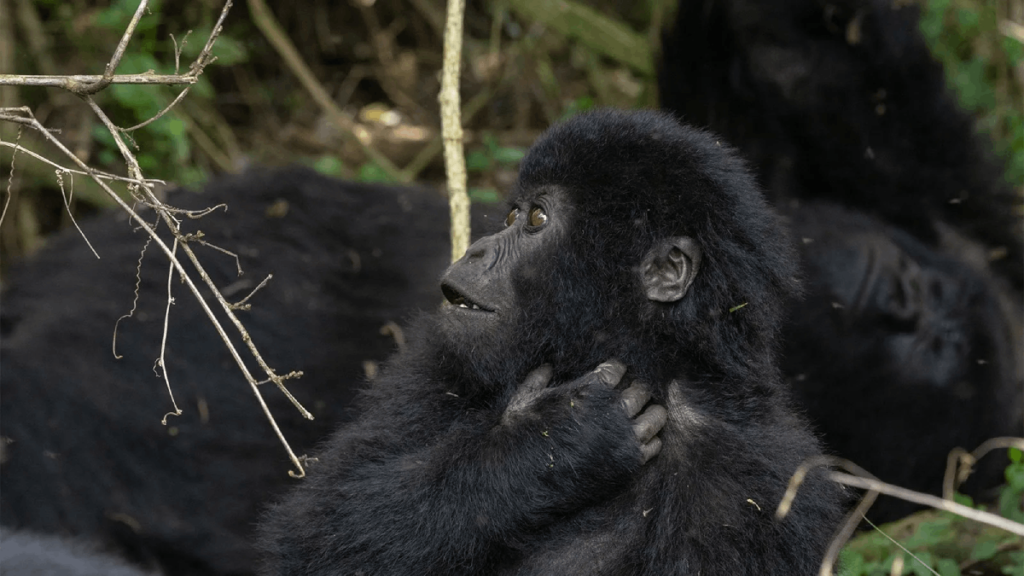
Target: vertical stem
x=451 y=129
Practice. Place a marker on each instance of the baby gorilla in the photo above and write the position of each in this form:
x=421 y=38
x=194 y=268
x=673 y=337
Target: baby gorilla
x=630 y=238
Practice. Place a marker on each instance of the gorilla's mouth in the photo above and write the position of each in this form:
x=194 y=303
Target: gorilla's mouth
x=457 y=298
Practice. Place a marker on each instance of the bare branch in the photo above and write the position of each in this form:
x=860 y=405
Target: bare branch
x=159 y=114
x=960 y=463
x=451 y=129
x=68 y=196
x=66 y=170
x=10 y=175
x=928 y=500
x=238 y=263
x=89 y=84
x=146 y=191
x=241 y=304
x=81 y=83
x=905 y=550
x=162 y=361
x=864 y=480
x=115 y=60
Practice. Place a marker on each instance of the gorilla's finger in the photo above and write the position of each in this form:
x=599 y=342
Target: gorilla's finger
x=635 y=397
x=650 y=423
x=535 y=383
x=650 y=449
x=610 y=372
x=536 y=380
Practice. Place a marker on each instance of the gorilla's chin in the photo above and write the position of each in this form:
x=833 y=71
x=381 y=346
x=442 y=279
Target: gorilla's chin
x=486 y=353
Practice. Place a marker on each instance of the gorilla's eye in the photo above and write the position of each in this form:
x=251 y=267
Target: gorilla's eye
x=512 y=217
x=537 y=217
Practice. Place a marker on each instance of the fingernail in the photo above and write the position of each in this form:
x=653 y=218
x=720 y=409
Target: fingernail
x=611 y=371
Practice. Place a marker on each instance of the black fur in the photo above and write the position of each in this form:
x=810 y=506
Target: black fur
x=85 y=453
x=840 y=101
x=436 y=478
x=30 y=554
x=922 y=362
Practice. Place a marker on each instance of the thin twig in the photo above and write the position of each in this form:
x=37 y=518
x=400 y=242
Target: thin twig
x=78 y=82
x=135 y=299
x=839 y=539
x=451 y=129
x=959 y=463
x=68 y=196
x=129 y=31
x=159 y=114
x=10 y=175
x=241 y=304
x=902 y=547
x=104 y=175
x=134 y=170
x=198 y=238
x=928 y=500
x=866 y=481
x=163 y=340
x=272 y=31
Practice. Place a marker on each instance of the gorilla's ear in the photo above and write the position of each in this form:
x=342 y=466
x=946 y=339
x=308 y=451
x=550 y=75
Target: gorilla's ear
x=669 y=268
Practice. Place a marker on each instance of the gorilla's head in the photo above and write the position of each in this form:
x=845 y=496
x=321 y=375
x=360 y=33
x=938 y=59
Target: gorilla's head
x=628 y=235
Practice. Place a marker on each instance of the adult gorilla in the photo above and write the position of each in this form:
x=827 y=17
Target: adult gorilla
x=83 y=449
x=908 y=344
x=630 y=237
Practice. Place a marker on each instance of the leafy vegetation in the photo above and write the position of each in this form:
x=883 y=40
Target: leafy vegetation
x=979 y=61
x=938 y=542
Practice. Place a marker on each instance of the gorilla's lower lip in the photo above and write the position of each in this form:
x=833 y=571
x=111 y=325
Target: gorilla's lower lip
x=457 y=299
x=469 y=308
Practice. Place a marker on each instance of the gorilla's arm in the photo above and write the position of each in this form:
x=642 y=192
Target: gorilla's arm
x=424 y=483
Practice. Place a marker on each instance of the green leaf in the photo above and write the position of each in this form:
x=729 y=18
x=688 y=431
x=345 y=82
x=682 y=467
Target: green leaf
x=371 y=172
x=1015 y=567
x=484 y=195
x=851 y=563
x=1015 y=454
x=178 y=132
x=1010 y=504
x=329 y=165
x=969 y=21
x=963 y=499
x=1015 y=475
x=921 y=565
x=984 y=550
x=227 y=50
x=509 y=155
x=478 y=161
x=930 y=533
x=947 y=567
x=581 y=104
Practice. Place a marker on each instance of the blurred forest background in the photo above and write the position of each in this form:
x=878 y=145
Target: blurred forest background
x=357 y=98
x=527 y=63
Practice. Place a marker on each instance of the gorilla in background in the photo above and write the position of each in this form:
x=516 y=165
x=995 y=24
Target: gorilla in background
x=908 y=343
x=29 y=554
x=492 y=445
x=83 y=449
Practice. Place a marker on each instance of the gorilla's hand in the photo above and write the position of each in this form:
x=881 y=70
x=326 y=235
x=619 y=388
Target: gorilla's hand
x=647 y=425
x=596 y=388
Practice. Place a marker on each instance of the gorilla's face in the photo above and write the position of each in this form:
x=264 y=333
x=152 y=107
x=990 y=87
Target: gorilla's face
x=919 y=309
x=927 y=318
x=502 y=299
